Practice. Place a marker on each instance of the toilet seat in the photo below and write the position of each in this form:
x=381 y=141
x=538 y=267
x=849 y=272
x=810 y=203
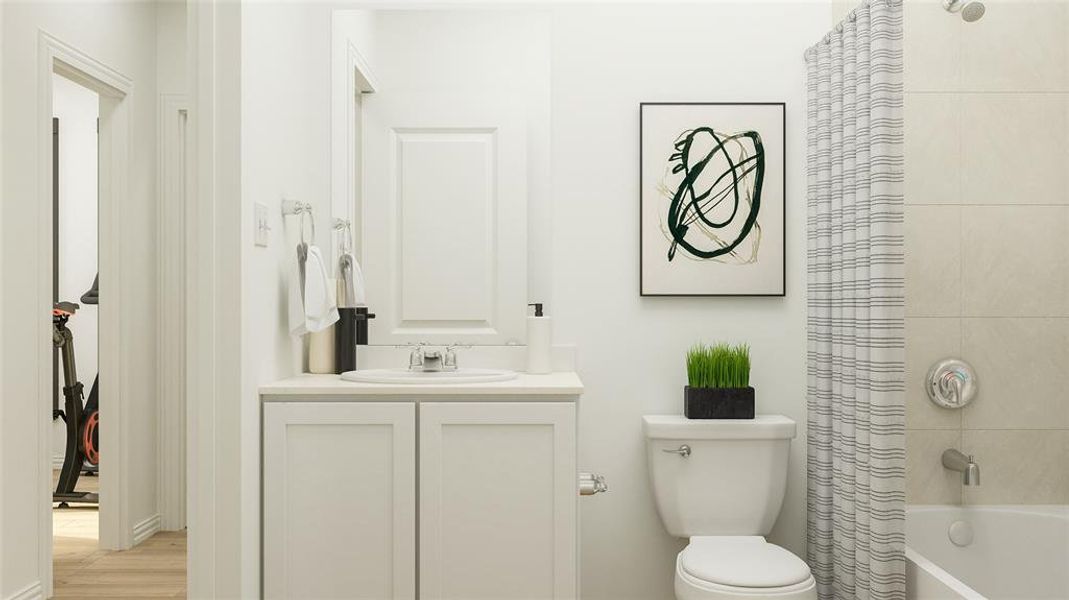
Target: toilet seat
x=741 y=567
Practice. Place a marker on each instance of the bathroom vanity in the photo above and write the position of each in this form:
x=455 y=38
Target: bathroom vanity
x=420 y=491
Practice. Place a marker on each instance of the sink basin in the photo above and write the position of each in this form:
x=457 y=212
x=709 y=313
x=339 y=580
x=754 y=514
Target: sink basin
x=428 y=377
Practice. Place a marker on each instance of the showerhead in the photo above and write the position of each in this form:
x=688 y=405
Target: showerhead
x=971 y=10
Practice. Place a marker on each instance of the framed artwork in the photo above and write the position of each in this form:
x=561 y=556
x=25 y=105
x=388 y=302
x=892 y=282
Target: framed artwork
x=712 y=199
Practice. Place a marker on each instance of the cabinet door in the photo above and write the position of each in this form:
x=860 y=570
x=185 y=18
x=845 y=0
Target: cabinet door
x=498 y=490
x=339 y=500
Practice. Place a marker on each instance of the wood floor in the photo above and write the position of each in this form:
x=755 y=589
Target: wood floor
x=154 y=569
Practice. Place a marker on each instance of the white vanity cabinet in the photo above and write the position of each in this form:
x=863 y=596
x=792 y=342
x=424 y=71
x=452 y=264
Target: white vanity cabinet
x=391 y=494
x=497 y=500
x=339 y=500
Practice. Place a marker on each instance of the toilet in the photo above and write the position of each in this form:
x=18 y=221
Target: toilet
x=720 y=483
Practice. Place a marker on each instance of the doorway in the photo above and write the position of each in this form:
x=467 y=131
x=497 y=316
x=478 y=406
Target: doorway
x=95 y=490
x=75 y=390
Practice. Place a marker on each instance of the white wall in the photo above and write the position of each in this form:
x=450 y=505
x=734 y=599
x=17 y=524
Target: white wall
x=77 y=108
x=171 y=56
x=361 y=29
x=120 y=34
x=840 y=9
x=606 y=61
x=4 y=578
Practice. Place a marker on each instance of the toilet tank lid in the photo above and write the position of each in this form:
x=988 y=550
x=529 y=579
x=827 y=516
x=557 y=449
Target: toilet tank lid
x=678 y=427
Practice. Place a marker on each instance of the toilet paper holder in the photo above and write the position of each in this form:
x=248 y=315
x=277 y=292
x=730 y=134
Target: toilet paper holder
x=592 y=483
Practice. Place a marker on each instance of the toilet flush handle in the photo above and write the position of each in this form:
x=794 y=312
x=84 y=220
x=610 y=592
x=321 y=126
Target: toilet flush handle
x=683 y=450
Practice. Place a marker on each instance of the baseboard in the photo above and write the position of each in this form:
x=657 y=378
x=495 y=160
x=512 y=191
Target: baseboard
x=30 y=592
x=146 y=529
x=57 y=461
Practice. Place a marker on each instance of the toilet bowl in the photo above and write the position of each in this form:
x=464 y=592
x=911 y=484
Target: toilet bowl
x=741 y=568
x=721 y=483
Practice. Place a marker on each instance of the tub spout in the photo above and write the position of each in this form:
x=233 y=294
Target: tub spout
x=956 y=461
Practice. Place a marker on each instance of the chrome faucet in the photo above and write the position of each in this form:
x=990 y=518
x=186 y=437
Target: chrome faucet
x=432 y=361
x=421 y=359
x=957 y=461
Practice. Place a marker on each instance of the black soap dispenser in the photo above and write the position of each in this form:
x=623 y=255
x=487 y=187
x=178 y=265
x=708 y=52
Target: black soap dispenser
x=350 y=332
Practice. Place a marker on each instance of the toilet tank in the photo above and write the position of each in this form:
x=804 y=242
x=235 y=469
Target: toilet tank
x=731 y=483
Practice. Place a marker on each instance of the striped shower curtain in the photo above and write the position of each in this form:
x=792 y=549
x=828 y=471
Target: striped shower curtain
x=856 y=346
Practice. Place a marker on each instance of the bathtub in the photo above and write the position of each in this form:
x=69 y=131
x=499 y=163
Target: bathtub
x=1015 y=552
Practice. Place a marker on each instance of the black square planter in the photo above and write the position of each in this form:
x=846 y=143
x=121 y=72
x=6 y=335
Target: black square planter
x=718 y=403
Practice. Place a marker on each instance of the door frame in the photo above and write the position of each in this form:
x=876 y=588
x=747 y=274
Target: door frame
x=116 y=92
x=220 y=559
x=172 y=173
x=351 y=76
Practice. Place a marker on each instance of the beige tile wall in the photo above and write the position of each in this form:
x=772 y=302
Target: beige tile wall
x=987 y=251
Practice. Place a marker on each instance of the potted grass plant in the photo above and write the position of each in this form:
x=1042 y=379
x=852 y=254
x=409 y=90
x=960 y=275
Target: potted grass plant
x=718 y=378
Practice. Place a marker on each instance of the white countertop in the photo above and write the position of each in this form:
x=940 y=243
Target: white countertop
x=310 y=387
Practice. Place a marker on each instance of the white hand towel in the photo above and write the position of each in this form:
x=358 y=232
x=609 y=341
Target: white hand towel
x=351 y=289
x=315 y=309
x=296 y=299
x=320 y=305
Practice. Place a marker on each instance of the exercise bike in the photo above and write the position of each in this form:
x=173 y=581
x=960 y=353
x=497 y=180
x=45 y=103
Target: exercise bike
x=82 y=419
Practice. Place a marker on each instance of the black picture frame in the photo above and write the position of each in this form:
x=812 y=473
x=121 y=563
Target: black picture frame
x=641 y=151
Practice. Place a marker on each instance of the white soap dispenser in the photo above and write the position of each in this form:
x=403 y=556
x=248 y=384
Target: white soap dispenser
x=539 y=341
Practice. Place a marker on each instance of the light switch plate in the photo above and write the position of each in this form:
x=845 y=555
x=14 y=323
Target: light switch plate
x=262 y=229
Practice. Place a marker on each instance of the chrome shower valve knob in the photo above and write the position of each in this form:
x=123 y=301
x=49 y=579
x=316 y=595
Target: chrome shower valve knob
x=951 y=383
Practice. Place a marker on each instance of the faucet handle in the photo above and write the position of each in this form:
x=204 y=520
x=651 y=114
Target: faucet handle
x=450 y=360
x=415 y=358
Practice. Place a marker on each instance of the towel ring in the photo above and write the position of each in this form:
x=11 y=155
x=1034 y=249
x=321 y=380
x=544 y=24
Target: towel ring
x=345 y=228
x=296 y=207
x=312 y=221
